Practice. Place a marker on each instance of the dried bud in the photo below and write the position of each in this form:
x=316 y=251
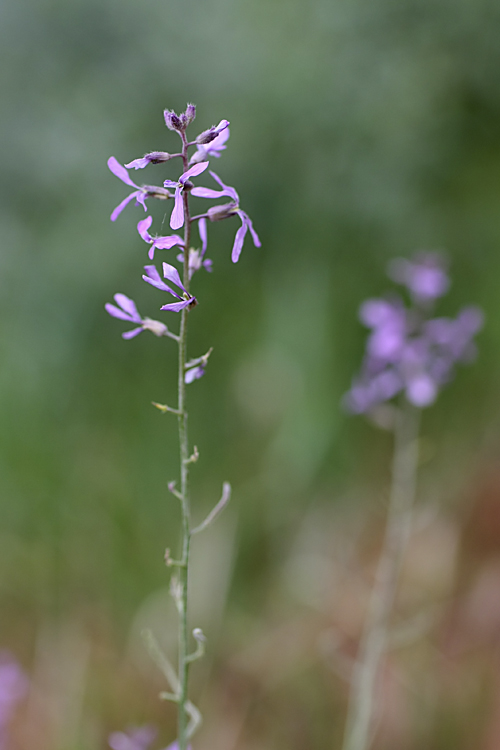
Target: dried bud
x=172 y=121
x=217 y=213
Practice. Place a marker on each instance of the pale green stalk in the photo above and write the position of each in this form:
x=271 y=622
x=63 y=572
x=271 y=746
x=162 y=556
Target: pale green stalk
x=183 y=567
x=359 y=728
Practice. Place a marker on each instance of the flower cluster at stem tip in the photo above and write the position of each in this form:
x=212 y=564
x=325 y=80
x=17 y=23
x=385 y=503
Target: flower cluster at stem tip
x=208 y=144
x=408 y=351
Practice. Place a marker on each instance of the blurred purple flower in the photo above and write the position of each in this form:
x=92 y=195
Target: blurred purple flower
x=139 y=738
x=160 y=243
x=177 y=217
x=171 y=274
x=13 y=687
x=424 y=276
x=127 y=310
x=217 y=213
x=405 y=350
x=140 y=193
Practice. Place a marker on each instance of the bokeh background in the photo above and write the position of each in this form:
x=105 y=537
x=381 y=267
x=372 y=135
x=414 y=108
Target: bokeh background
x=360 y=131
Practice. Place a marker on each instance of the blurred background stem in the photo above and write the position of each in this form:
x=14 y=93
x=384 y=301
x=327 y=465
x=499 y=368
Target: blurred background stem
x=359 y=727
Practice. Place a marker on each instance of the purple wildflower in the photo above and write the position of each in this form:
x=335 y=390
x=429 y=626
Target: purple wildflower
x=140 y=193
x=217 y=213
x=208 y=146
x=406 y=351
x=171 y=274
x=160 y=243
x=177 y=218
x=196 y=257
x=139 y=738
x=424 y=276
x=13 y=687
x=194 y=373
x=128 y=311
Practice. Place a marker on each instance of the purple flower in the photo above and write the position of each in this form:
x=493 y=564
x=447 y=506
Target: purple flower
x=171 y=274
x=217 y=213
x=139 y=738
x=160 y=243
x=128 y=311
x=194 y=373
x=387 y=319
x=13 y=687
x=140 y=193
x=177 y=218
x=212 y=147
x=196 y=257
x=424 y=276
x=406 y=351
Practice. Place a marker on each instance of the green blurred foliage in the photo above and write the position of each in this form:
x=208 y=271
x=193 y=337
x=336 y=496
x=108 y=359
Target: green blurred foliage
x=359 y=131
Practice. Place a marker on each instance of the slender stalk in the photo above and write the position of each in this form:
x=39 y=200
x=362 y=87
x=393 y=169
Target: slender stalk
x=359 y=727
x=182 y=599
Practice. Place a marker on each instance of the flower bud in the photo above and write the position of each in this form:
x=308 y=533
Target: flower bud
x=153 y=191
x=172 y=121
x=217 y=213
x=190 y=113
x=211 y=134
x=159 y=329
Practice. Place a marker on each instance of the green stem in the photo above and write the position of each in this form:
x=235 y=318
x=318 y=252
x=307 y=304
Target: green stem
x=182 y=603
x=359 y=728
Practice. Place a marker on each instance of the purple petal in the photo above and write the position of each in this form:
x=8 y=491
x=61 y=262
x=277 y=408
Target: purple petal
x=142 y=228
x=171 y=274
x=177 y=218
x=194 y=374
x=203 y=192
x=128 y=305
x=131 y=334
x=228 y=190
x=169 y=241
x=170 y=183
x=126 y=310
x=238 y=242
x=153 y=277
x=177 y=306
x=138 y=163
x=246 y=220
x=421 y=390
x=202 y=229
x=193 y=171
x=120 y=171
x=116 y=312
x=124 y=202
x=218 y=143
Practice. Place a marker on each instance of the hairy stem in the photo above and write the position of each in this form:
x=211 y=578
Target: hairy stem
x=182 y=598
x=359 y=728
